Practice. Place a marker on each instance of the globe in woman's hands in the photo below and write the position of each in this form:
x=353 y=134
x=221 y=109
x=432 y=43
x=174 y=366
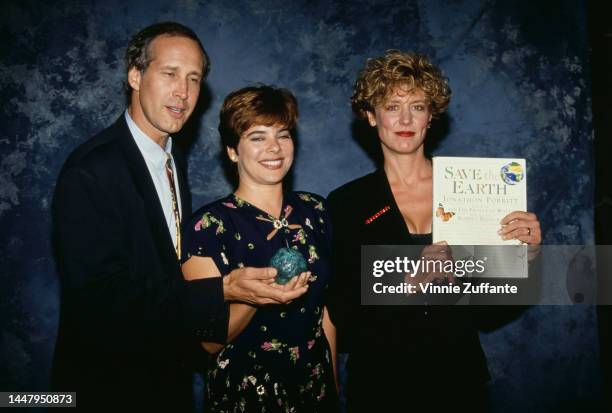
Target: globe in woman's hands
x=288 y=263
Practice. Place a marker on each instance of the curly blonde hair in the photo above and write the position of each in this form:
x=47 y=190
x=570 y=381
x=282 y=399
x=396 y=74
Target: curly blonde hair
x=381 y=76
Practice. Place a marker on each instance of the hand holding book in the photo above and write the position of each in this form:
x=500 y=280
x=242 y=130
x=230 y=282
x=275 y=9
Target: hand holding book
x=439 y=251
x=525 y=227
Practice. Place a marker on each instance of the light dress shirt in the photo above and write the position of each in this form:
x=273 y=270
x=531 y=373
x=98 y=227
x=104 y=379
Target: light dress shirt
x=155 y=158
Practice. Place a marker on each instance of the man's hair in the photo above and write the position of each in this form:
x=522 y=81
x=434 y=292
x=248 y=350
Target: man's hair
x=383 y=75
x=255 y=105
x=138 y=52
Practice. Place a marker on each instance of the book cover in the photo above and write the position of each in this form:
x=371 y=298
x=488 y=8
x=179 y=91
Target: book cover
x=470 y=197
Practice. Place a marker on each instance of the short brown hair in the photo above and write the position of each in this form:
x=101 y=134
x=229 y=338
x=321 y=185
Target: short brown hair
x=138 y=52
x=255 y=105
x=381 y=76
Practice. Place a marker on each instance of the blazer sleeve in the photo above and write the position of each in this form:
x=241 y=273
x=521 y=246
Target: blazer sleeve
x=109 y=300
x=342 y=301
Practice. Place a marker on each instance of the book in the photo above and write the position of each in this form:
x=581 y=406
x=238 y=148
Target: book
x=470 y=197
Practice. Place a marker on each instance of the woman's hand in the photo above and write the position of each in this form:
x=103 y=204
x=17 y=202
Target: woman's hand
x=439 y=251
x=525 y=227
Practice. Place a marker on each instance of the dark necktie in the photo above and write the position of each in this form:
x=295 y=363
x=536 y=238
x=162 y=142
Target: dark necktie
x=175 y=211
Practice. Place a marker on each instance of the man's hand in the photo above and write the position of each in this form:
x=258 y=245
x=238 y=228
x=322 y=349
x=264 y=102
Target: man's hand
x=256 y=286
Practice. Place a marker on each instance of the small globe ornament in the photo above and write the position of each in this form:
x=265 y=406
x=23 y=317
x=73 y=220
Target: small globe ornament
x=288 y=263
x=512 y=173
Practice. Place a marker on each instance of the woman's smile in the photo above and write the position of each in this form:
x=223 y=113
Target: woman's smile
x=272 y=163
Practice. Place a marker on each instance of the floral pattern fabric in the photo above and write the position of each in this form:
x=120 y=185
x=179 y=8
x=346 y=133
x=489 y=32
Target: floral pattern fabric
x=281 y=362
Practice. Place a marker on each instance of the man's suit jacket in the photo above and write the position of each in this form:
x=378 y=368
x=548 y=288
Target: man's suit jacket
x=127 y=319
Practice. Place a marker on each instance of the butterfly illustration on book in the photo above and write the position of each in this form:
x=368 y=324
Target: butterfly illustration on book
x=444 y=216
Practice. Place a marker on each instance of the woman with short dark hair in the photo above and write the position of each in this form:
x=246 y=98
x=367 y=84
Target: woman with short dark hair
x=278 y=358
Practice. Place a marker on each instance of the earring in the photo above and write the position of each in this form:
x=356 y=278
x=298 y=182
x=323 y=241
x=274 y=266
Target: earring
x=428 y=125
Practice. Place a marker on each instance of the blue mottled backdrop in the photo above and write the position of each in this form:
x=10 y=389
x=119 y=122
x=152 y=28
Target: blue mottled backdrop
x=519 y=71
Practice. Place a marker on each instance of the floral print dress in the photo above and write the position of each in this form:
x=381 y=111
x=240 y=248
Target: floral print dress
x=281 y=361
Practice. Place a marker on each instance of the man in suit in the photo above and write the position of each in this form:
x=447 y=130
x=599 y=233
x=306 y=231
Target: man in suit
x=127 y=316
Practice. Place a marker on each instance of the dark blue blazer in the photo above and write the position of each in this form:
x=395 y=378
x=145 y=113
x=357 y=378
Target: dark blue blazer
x=129 y=323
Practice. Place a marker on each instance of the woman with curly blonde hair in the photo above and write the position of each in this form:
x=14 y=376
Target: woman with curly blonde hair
x=435 y=349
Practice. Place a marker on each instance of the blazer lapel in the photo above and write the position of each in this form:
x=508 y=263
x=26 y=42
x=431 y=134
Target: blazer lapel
x=386 y=221
x=146 y=188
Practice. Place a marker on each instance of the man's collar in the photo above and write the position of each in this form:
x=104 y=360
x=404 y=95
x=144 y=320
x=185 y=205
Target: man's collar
x=150 y=150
